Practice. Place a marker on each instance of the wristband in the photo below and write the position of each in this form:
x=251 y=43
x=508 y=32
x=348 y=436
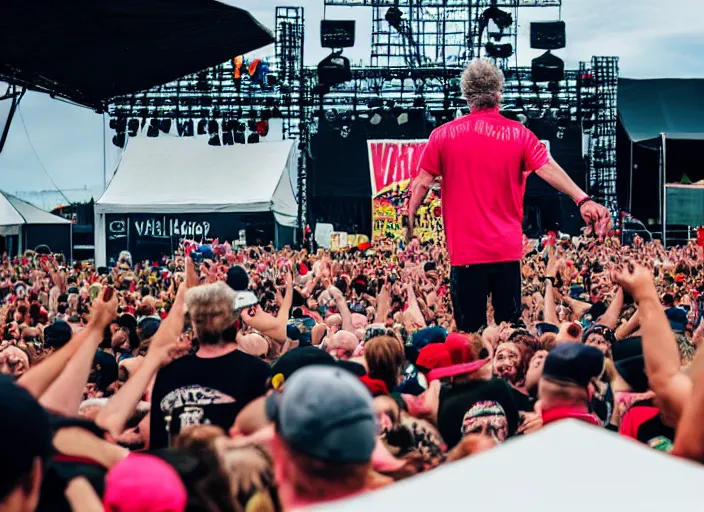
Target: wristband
x=583 y=201
x=550 y=279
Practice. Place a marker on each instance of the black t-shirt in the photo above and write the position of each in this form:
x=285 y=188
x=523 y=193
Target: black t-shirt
x=524 y=402
x=650 y=428
x=197 y=391
x=458 y=401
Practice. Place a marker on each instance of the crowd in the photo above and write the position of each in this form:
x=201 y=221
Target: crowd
x=260 y=380
x=158 y=386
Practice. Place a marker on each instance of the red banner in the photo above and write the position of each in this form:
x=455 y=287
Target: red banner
x=393 y=161
x=393 y=164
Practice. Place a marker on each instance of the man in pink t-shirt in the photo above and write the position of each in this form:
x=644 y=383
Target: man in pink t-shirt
x=484 y=160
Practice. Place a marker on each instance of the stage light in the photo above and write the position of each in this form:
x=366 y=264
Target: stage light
x=547 y=35
x=239 y=138
x=213 y=127
x=202 y=125
x=214 y=140
x=334 y=69
x=253 y=138
x=133 y=127
x=501 y=19
x=402 y=118
x=376 y=118
x=345 y=131
x=394 y=17
x=548 y=68
x=271 y=80
x=113 y=123
x=419 y=102
x=499 y=51
x=165 y=125
x=119 y=139
x=241 y=127
x=330 y=115
x=252 y=125
x=263 y=128
x=185 y=128
x=153 y=129
x=228 y=138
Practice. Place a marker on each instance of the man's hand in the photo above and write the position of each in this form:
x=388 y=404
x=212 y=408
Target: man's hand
x=104 y=312
x=596 y=217
x=636 y=280
x=409 y=230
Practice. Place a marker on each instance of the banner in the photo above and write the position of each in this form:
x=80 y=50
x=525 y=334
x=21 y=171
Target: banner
x=393 y=165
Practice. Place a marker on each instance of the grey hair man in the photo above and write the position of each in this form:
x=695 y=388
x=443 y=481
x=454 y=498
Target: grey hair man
x=214 y=384
x=483 y=161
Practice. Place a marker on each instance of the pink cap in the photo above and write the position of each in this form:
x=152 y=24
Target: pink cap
x=144 y=483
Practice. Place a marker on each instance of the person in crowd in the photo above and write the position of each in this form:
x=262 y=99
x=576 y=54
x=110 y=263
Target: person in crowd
x=214 y=384
x=483 y=161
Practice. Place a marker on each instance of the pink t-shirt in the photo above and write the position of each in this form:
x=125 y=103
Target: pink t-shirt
x=484 y=160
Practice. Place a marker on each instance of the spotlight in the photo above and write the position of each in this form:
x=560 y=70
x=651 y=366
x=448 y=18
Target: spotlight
x=228 y=138
x=394 y=17
x=213 y=127
x=202 y=125
x=263 y=128
x=548 y=68
x=333 y=70
x=119 y=139
x=165 y=125
x=185 y=128
x=241 y=127
x=133 y=127
x=239 y=138
x=402 y=118
x=499 y=51
x=253 y=138
x=153 y=129
x=214 y=140
x=331 y=115
x=345 y=131
x=376 y=119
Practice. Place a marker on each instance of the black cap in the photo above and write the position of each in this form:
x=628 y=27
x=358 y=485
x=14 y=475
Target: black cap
x=108 y=369
x=25 y=427
x=148 y=327
x=57 y=334
x=237 y=278
x=573 y=363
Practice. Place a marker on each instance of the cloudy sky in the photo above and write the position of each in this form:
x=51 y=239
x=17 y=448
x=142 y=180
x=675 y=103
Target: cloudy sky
x=54 y=141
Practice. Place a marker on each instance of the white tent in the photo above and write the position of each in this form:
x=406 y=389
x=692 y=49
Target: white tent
x=17 y=216
x=178 y=175
x=569 y=466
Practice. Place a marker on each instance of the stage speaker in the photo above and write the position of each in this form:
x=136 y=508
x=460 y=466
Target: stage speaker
x=337 y=34
x=547 y=35
x=548 y=68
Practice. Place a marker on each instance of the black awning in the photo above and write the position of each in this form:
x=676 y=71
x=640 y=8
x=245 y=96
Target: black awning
x=649 y=108
x=89 y=51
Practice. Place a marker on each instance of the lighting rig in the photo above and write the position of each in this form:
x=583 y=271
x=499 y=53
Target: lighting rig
x=404 y=100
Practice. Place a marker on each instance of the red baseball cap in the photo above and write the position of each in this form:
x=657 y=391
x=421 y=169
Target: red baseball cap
x=433 y=356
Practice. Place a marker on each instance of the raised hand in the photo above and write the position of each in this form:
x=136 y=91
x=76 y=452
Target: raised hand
x=596 y=217
x=636 y=280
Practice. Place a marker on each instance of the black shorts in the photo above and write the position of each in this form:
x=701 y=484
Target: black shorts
x=473 y=284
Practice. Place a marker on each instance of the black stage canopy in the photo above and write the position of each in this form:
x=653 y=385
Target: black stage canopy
x=649 y=108
x=89 y=51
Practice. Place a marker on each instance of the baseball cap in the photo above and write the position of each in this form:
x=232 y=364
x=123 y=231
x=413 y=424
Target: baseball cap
x=237 y=278
x=632 y=370
x=302 y=357
x=149 y=326
x=573 y=363
x=461 y=357
x=145 y=483
x=25 y=426
x=325 y=413
x=57 y=334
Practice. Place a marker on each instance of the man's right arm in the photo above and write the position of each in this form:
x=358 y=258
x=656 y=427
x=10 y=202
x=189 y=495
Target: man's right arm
x=419 y=191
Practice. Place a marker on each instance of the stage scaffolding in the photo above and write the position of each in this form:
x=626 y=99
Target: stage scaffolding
x=429 y=87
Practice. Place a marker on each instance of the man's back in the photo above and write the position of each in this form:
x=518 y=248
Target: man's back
x=484 y=160
x=195 y=390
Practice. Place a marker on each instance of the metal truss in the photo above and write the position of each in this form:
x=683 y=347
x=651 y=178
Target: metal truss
x=439 y=3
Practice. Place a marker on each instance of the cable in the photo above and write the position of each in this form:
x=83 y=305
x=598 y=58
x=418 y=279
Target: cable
x=29 y=139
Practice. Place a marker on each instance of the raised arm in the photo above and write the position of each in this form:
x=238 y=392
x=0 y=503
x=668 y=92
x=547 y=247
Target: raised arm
x=419 y=190
x=65 y=394
x=662 y=356
x=115 y=415
x=610 y=318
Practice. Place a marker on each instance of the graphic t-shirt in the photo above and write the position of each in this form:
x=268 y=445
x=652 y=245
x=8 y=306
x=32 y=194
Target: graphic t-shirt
x=484 y=160
x=199 y=391
x=457 y=401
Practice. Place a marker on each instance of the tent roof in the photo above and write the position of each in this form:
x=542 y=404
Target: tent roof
x=89 y=51
x=649 y=108
x=14 y=211
x=186 y=175
x=565 y=459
